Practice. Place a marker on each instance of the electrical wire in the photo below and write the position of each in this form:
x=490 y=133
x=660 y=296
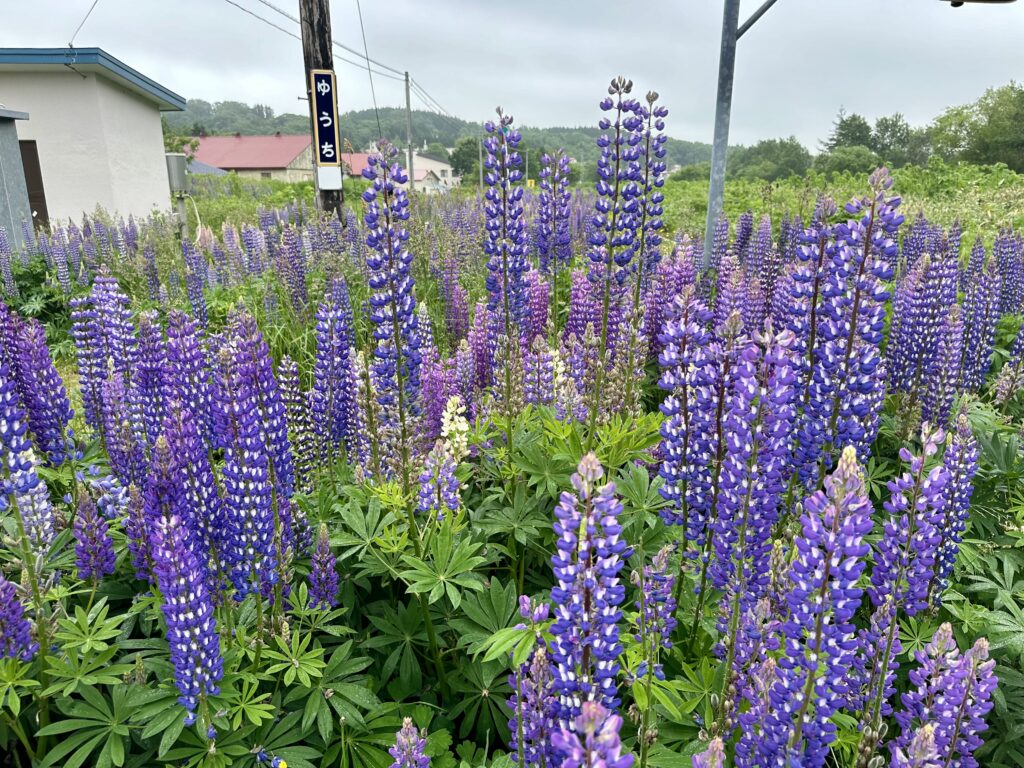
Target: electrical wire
x=431 y=98
x=343 y=47
x=288 y=32
x=373 y=92
x=71 y=43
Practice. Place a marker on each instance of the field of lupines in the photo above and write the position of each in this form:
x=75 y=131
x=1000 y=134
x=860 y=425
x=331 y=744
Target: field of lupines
x=514 y=481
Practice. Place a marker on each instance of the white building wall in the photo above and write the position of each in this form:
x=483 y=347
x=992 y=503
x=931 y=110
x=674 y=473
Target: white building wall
x=442 y=169
x=99 y=145
x=135 y=151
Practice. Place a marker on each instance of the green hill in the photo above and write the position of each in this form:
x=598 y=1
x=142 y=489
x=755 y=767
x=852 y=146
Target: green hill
x=360 y=129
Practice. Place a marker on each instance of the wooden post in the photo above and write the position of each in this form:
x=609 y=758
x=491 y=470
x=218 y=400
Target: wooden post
x=315 y=21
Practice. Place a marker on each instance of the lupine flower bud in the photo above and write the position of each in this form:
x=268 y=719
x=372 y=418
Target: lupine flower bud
x=94 y=551
x=323 y=574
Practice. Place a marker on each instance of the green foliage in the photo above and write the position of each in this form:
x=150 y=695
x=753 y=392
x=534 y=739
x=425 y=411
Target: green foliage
x=848 y=130
x=770 y=159
x=853 y=159
x=988 y=131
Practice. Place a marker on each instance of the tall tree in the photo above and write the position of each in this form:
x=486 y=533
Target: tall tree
x=849 y=130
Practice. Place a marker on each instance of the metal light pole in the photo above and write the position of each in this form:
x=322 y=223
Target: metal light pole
x=408 y=133
x=731 y=32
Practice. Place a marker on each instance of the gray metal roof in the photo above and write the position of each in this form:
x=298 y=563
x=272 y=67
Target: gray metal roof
x=91 y=60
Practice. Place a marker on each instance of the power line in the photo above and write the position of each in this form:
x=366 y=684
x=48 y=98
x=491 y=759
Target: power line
x=436 y=102
x=432 y=108
x=288 y=32
x=71 y=43
x=343 y=47
x=373 y=92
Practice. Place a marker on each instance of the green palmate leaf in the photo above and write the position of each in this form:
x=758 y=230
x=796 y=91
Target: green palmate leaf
x=485 y=614
x=246 y=703
x=367 y=746
x=399 y=631
x=97 y=723
x=297 y=659
x=482 y=688
x=507 y=643
x=341 y=692
x=89 y=633
x=447 y=570
x=71 y=673
x=14 y=683
x=360 y=527
x=1006 y=631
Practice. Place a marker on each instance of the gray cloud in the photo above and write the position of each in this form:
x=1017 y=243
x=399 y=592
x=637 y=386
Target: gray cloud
x=548 y=61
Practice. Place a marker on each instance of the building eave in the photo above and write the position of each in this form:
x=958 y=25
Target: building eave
x=94 y=60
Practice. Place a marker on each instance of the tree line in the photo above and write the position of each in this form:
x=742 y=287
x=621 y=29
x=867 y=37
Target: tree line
x=987 y=131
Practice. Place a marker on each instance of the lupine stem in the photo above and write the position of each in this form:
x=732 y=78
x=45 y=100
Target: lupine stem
x=414 y=531
x=607 y=285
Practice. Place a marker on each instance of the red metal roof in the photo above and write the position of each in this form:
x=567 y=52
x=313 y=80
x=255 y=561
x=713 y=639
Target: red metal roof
x=355 y=162
x=263 y=152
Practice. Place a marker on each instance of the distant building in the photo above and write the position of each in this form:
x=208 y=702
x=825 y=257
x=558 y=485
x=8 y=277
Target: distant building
x=441 y=168
x=198 y=167
x=354 y=162
x=282 y=157
x=428 y=181
x=93 y=135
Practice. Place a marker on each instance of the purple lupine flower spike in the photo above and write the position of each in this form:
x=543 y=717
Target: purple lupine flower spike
x=408 y=751
x=94 y=550
x=199 y=497
x=43 y=394
x=187 y=607
x=535 y=702
x=250 y=555
x=15 y=631
x=439 y=487
x=333 y=403
x=21 y=489
x=656 y=612
x=712 y=757
x=593 y=741
x=823 y=597
x=905 y=556
x=685 y=434
x=961 y=463
x=589 y=556
x=506 y=239
x=323 y=574
x=151 y=371
x=952 y=696
x=188 y=372
x=393 y=300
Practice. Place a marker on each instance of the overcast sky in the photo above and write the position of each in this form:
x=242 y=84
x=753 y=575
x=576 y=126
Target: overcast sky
x=548 y=61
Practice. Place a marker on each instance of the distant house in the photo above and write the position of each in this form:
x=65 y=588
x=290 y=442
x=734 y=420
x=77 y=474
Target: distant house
x=93 y=134
x=441 y=168
x=282 y=157
x=354 y=163
x=428 y=181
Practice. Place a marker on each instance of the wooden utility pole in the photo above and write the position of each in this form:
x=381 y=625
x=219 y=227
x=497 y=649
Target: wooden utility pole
x=315 y=21
x=408 y=132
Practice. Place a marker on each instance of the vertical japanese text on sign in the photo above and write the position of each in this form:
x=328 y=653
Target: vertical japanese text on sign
x=325 y=111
